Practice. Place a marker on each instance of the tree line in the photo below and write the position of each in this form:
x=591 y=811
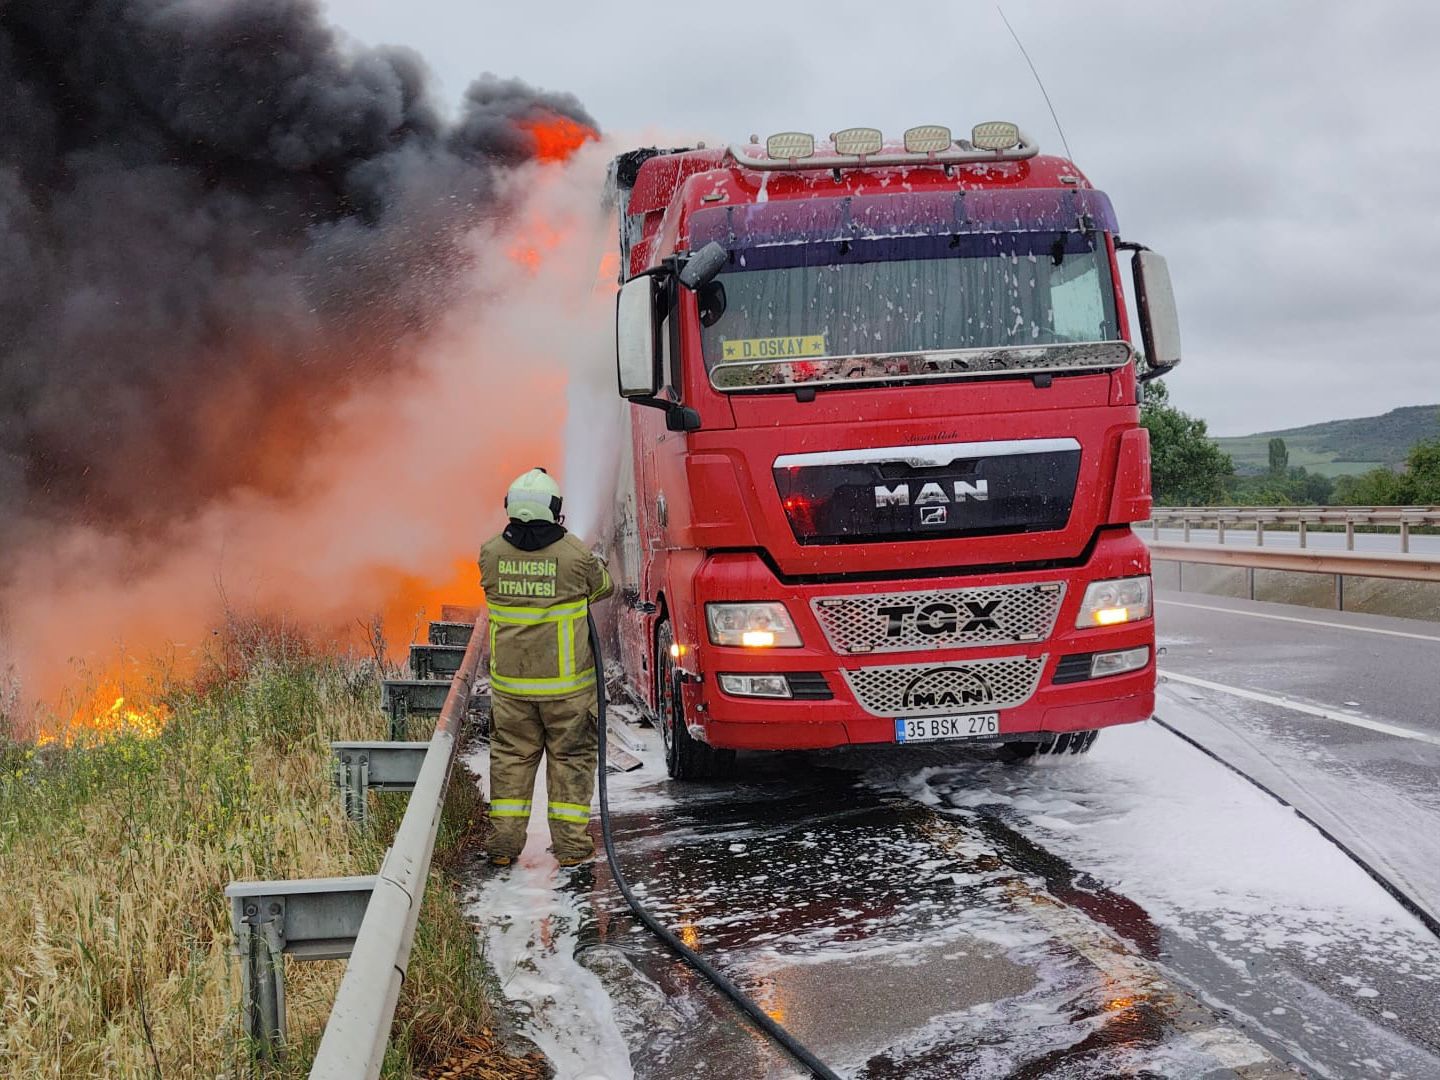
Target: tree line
x=1187 y=469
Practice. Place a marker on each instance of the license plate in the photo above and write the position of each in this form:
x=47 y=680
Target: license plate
x=934 y=728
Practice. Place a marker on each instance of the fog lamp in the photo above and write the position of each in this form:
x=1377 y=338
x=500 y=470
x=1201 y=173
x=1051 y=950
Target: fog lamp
x=1117 y=663
x=771 y=686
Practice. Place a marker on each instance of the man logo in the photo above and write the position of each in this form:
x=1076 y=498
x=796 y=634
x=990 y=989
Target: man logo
x=945 y=688
x=933 y=515
x=931 y=494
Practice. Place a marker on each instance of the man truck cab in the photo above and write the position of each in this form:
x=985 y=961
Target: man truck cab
x=885 y=446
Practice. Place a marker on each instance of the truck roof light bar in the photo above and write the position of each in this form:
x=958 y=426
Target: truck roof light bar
x=796 y=150
x=790 y=146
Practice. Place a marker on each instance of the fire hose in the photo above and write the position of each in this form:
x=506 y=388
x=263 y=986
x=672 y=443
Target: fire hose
x=748 y=1006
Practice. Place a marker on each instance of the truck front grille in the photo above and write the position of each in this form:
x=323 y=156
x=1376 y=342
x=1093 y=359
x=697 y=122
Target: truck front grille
x=944 y=619
x=945 y=689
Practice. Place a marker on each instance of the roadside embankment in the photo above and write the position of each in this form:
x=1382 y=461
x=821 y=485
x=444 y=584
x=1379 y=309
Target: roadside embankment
x=114 y=931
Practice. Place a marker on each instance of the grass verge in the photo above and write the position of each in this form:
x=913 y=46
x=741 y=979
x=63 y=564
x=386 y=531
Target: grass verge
x=114 y=929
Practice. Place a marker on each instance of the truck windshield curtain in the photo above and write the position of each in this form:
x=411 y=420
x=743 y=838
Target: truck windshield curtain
x=927 y=294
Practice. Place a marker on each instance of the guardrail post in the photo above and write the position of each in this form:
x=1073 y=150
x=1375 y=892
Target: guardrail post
x=363 y=767
x=399 y=715
x=1220 y=530
x=1259 y=534
x=1349 y=535
x=352 y=777
x=1405 y=537
x=262 y=950
x=1185 y=525
x=1302 y=532
x=308 y=919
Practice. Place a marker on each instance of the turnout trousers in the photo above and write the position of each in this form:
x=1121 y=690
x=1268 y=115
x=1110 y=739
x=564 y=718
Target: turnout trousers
x=564 y=730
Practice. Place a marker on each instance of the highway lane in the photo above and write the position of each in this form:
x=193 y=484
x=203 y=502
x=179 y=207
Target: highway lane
x=1302 y=699
x=1384 y=667
x=930 y=912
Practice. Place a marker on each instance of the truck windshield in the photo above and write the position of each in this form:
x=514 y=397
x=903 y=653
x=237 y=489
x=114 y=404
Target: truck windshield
x=925 y=295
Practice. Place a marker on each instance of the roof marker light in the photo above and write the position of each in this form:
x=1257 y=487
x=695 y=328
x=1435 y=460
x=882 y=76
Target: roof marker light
x=788 y=145
x=858 y=141
x=995 y=135
x=928 y=139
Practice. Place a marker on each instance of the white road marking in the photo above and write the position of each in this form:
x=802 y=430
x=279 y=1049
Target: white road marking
x=1300 y=706
x=1307 y=622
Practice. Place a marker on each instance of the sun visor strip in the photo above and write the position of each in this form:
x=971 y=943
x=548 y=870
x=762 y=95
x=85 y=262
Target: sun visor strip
x=912 y=214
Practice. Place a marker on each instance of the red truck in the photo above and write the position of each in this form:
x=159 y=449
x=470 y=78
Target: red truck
x=886 y=446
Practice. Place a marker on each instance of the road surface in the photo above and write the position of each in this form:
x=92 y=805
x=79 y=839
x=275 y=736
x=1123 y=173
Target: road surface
x=937 y=913
x=1337 y=711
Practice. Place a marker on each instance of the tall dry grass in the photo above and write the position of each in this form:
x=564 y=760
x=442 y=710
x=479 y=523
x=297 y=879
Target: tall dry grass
x=114 y=930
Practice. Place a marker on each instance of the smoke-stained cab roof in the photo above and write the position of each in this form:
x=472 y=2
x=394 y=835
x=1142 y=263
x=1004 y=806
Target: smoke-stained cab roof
x=670 y=188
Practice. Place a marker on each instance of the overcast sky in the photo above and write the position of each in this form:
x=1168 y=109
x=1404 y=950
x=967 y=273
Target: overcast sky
x=1284 y=157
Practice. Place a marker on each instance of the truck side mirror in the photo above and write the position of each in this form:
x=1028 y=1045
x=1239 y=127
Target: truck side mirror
x=637 y=337
x=1159 y=324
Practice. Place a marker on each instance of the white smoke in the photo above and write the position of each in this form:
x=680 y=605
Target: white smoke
x=593 y=429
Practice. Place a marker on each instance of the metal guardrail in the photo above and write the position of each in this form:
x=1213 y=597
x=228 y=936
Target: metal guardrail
x=1300 y=518
x=359 y=1028
x=371 y=920
x=1344 y=563
x=1339 y=565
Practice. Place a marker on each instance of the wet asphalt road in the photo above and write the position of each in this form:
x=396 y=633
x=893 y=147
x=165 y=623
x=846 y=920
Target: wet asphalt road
x=900 y=939
x=1383 y=667
x=930 y=912
x=877 y=931
x=1379 y=792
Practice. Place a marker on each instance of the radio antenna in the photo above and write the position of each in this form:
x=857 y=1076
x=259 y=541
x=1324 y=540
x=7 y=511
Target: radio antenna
x=1038 y=82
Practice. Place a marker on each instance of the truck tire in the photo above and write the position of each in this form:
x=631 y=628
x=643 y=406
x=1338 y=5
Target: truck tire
x=686 y=758
x=1061 y=745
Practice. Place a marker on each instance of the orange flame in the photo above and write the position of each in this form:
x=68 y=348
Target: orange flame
x=108 y=712
x=557 y=137
x=412 y=600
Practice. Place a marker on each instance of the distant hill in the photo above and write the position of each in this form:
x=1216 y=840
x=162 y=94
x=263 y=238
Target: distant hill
x=1338 y=447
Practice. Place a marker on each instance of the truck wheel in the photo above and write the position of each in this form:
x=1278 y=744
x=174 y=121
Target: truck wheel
x=1067 y=742
x=686 y=758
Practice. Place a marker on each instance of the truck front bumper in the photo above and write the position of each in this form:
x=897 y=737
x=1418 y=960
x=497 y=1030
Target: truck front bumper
x=1034 y=687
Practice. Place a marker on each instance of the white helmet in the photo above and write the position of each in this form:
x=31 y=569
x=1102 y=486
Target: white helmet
x=534 y=496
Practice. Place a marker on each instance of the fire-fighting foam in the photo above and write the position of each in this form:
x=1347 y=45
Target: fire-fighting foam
x=321 y=424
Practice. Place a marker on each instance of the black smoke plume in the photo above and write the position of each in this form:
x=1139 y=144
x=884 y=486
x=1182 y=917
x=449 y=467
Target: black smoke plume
x=216 y=219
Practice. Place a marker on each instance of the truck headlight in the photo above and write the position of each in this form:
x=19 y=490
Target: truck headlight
x=1118 y=600
x=756 y=626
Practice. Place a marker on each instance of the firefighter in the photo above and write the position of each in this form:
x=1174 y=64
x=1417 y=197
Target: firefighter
x=539 y=583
